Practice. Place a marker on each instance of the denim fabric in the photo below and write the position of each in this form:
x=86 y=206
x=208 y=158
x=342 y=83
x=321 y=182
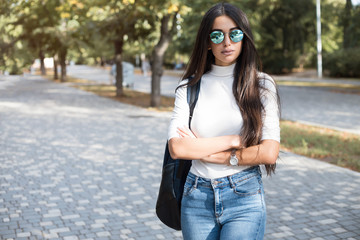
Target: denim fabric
x=226 y=208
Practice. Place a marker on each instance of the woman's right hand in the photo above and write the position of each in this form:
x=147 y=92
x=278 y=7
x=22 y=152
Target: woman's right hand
x=218 y=158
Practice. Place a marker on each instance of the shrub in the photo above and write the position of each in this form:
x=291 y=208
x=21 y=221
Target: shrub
x=343 y=63
x=277 y=63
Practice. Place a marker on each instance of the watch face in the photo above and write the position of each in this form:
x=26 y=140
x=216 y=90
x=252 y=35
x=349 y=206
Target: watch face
x=234 y=161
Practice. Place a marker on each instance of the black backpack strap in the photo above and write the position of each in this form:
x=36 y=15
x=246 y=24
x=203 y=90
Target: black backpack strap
x=192 y=97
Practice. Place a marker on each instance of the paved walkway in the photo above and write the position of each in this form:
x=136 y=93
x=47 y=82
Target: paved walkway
x=78 y=166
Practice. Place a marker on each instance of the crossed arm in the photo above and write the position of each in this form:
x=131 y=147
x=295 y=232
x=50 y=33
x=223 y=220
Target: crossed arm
x=218 y=149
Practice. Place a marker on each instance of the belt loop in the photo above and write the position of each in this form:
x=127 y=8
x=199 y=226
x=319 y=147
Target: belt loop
x=196 y=181
x=231 y=181
x=259 y=171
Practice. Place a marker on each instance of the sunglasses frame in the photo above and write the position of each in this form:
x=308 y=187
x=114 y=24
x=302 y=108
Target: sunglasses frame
x=223 y=35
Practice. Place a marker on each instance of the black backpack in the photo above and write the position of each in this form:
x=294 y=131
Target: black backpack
x=174 y=173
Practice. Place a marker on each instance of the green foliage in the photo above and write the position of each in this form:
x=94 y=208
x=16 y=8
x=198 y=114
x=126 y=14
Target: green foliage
x=285 y=28
x=343 y=63
x=352 y=29
x=14 y=56
x=331 y=12
x=278 y=61
x=36 y=18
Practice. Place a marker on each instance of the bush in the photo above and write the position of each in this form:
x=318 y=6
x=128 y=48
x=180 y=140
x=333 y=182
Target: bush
x=15 y=69
x=343 y=63
x=277 y=63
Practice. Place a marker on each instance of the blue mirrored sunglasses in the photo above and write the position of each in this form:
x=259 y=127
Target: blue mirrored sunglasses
x=218 y=36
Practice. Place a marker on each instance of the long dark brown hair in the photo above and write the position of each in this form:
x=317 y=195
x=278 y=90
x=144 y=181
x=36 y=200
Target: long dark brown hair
x=246 y=85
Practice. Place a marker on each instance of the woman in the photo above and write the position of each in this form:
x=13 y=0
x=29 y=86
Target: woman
x=234 y=129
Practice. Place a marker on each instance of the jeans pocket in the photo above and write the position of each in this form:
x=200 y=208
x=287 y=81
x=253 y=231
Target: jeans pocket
x=249 y=186
x=189 y=187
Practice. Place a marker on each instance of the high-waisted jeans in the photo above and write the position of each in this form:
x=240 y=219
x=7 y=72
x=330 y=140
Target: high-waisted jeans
x=226 y=208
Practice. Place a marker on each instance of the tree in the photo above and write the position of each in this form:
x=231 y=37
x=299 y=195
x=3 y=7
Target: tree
x=346 y=24
x=34 y=17
x=168 y=13
x=70 y=31
x=118 y=23
x=285 y=30
x=9 y=37
x=50 y=28
x=343 y=61
x=350 y=25
x=354 y=27
x=159 y=52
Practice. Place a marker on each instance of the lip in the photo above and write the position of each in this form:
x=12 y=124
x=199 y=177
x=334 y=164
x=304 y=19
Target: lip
x=227 y=52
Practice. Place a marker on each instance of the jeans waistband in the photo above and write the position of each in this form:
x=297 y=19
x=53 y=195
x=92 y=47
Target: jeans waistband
x=225 y=181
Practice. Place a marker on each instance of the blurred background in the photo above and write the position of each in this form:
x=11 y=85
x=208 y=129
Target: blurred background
x=308 y=36
x=95 y=32
x=76 y=166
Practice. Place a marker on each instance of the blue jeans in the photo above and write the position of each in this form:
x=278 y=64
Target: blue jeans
x=231 y=207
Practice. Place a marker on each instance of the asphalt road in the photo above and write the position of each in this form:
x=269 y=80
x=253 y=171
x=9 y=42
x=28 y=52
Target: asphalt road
x=310 y=105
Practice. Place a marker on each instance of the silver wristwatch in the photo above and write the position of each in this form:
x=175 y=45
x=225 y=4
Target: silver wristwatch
x=234 y=161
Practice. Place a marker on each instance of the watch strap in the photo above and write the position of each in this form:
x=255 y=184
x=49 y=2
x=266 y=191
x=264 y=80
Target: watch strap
x=233 y=152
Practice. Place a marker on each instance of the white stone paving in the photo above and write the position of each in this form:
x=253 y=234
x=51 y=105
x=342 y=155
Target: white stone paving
x=77 y=166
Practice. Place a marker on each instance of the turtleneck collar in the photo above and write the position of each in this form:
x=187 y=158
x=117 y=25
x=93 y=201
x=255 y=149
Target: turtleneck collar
x=222 y=71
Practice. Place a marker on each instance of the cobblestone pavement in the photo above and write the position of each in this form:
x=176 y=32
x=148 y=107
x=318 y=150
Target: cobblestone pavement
x=78 y=166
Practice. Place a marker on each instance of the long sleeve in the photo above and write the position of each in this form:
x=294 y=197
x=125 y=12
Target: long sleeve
x=271 y=117
x=180 y=116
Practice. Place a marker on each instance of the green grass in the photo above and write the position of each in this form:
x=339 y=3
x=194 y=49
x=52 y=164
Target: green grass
x=337 y=87
x=342 y=149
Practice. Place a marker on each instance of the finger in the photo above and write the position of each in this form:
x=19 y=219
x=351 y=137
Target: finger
x=184 y=131
x=182 y=134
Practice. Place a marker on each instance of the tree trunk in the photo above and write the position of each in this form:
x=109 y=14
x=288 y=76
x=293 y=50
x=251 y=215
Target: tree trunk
x=346 y=24
x=56 y=76
x=62 y=58
x=157 y=72
x=102 y=62
x=118 y=61
x=42 y=63
x=158 y=59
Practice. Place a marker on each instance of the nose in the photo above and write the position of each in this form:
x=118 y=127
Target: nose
x=227 y=39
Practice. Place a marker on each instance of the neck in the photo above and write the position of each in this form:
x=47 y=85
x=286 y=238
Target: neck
x=223 y=71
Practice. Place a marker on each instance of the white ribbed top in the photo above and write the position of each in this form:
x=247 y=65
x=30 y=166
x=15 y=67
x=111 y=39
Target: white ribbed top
x=217 y=114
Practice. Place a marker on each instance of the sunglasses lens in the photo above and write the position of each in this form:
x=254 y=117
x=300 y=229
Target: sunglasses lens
x=236 y=35
x=216 y=37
